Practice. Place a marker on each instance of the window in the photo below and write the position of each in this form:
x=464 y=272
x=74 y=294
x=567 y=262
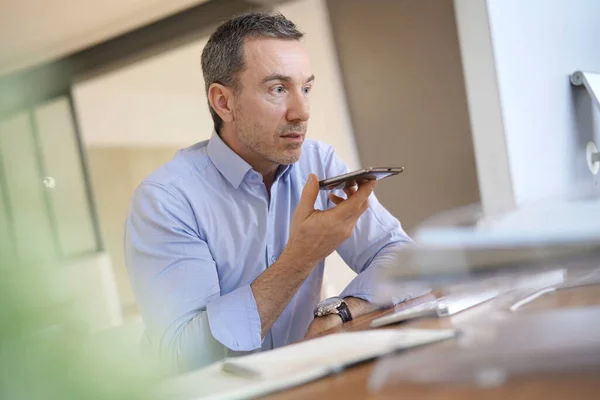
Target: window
x=46 y=211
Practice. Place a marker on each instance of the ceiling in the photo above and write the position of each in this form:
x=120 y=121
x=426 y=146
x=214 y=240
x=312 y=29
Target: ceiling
x=35 y=31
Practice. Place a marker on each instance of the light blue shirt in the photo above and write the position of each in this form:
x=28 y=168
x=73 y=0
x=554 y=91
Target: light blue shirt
x=202 y=228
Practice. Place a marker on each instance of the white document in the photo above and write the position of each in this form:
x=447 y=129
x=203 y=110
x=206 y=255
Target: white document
x=421 y=310
x=266 y=372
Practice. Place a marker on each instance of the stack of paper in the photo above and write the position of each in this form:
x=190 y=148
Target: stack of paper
x=261 y=373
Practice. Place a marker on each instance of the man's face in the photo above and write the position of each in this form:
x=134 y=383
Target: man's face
x=272 y=109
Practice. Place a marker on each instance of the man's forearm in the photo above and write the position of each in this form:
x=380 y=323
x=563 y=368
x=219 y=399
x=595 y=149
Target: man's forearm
x=275 y=287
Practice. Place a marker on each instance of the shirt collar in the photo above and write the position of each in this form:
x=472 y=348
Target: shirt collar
x=233 y=167
x=229 y=164
x=284 y=171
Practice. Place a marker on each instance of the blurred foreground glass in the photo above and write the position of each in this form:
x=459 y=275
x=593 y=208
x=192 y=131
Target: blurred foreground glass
x=465 y=246
x=517 y=256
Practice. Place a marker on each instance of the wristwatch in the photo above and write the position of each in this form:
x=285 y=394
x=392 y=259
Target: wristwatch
x=333 y=305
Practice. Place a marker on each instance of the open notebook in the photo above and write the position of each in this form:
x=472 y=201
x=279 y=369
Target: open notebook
x=266 y=372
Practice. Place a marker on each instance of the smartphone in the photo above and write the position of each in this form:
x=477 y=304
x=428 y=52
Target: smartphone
x=358 y=177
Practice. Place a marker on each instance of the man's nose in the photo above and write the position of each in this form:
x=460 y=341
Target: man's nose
x=298 y=107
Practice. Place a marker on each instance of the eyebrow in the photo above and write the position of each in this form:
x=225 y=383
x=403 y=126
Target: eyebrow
x=284 y=78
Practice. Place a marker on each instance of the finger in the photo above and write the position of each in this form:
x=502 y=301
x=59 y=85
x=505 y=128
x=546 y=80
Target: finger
x=373 y=184
x=363 y=192
x=336 y=199
x=350 y=191
x=355 y=205
x=306 y=205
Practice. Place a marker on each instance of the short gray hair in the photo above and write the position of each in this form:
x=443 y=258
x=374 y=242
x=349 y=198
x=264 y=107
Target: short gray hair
x=223 y=56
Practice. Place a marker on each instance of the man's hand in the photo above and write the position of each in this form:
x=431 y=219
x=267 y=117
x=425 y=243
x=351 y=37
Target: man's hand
x=315 y=234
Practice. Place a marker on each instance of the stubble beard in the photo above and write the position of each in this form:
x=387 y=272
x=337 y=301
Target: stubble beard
x=252 y=136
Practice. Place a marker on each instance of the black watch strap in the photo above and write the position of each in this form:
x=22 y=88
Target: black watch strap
x=344 y=312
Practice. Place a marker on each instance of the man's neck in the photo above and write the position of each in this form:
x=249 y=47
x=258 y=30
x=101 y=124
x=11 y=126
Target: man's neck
x=266 y=168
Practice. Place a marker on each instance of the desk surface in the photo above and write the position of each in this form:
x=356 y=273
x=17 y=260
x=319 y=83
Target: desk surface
x=352 y=383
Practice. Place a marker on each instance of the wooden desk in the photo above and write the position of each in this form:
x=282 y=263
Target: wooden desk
x=352 y=383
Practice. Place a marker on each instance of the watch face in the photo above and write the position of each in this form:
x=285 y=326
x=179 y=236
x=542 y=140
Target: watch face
x=331 y=302
x=328 y=306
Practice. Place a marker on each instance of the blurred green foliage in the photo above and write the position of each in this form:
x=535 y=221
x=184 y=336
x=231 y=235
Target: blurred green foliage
x=47 y=352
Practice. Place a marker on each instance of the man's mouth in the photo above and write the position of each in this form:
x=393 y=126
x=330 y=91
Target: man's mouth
x=295 y=136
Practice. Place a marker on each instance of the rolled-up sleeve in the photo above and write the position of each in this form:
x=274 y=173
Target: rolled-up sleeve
x=236 y=309
x=377 y=238
x=175 y=280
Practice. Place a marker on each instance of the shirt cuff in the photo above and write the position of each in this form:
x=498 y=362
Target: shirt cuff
x=362 y=286
x=234 y=320
x=366 y=286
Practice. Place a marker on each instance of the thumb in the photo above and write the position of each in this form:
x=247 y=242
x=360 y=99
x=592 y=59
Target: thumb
x=306 y=205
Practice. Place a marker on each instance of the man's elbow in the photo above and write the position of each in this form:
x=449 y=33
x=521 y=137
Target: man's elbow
x=191 y=346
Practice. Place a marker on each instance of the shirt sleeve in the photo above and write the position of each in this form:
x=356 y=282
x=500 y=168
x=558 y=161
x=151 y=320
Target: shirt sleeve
x=174 y=278
x=377 y=238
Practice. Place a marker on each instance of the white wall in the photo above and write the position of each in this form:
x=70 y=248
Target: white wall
x=160 y=102
x=545 y=123
x=157 y=102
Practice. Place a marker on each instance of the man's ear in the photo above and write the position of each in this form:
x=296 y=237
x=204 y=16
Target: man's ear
x=220 y=98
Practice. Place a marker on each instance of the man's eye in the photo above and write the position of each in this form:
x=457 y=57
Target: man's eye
x=306 y=90
x=278 y=89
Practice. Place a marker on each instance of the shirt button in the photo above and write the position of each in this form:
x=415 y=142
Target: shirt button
x=273 y=259
x=255 y=178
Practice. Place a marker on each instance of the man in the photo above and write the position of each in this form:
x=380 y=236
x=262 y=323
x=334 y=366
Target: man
x=225 y=243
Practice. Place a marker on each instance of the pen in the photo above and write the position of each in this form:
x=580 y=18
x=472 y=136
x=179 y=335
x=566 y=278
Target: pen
x=240 y=370
x=530 y=298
